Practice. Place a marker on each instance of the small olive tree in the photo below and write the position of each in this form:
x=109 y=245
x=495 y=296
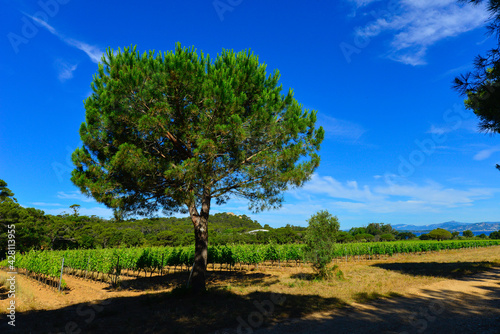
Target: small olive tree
x=320 y=238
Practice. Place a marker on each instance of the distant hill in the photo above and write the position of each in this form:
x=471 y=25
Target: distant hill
x=451 y=226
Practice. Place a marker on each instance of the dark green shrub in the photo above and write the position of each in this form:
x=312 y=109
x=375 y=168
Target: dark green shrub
x=387 y=237
x=363 y=237
x=495 y=235
x=424 y=237
x=440 y=234
x=320 y=238
x=468 y=234
x=405 y=236
x=344 y=237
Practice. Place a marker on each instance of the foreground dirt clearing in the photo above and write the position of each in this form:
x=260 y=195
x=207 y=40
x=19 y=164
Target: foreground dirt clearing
x=454 y=291
x=467 y=305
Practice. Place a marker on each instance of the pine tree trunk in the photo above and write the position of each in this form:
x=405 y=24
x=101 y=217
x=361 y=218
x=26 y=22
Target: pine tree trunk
x=200 y=223
x=200 y=257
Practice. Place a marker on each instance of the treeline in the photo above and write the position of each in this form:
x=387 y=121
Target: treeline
x=36 y=230
x=381 y=232
x=373 y=232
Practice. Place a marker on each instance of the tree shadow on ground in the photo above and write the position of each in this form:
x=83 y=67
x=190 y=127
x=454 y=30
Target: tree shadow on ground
x=170 y=312
x=365 y=297
x=176 y=279
x=436 y=269
x=225 y=312
x=4 y=293
x=220 y=311
x=444 y=311
x=305 y=276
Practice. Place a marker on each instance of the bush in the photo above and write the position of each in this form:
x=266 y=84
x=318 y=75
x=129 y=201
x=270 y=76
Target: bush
x=387 y=237
x=440 y=234
x=495 y=235
x=363 y=237
x=468 y=234
x=424 y=237
x=405 y=236
x=320 y=238
x=344 y=237
x=132 y=238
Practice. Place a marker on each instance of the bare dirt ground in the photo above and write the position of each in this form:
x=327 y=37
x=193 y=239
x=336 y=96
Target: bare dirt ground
x=444 y=292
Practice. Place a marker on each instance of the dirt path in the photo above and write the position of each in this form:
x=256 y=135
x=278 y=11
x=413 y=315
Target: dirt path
x=468 y=305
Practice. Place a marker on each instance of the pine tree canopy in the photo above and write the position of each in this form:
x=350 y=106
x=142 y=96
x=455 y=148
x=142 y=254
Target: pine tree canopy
x=169 y=131
x=481 y=86
x=5 y=193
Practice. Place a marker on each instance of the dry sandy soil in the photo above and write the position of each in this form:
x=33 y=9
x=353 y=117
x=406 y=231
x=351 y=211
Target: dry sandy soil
x=432 y=293
x=467 y=305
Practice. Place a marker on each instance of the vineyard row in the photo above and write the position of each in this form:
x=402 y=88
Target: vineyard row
x=155 y=259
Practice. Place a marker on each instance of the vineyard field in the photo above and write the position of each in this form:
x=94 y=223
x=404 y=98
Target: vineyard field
x=95 y=263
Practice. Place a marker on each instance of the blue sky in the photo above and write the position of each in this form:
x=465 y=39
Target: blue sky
x=400 y=148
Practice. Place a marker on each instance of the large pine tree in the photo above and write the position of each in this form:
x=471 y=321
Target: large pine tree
x=175 y=131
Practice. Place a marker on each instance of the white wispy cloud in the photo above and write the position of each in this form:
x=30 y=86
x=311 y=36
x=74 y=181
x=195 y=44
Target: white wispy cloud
x=434 y=194
x=339 y=128
x=486 y=153
x=329 y=186
x=463 y=121
x=408 y=197
x=352 y=201
x=93 y=52
x=362 y=3
x=65 y=70
x=439 y=130
x=93 y=211
x=76 y=195
x=455 y=71
x=42 y=23
x=45 y=204
x=418 y=24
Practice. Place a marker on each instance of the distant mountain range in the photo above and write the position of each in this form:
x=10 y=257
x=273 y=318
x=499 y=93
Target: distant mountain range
x=451 y=226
